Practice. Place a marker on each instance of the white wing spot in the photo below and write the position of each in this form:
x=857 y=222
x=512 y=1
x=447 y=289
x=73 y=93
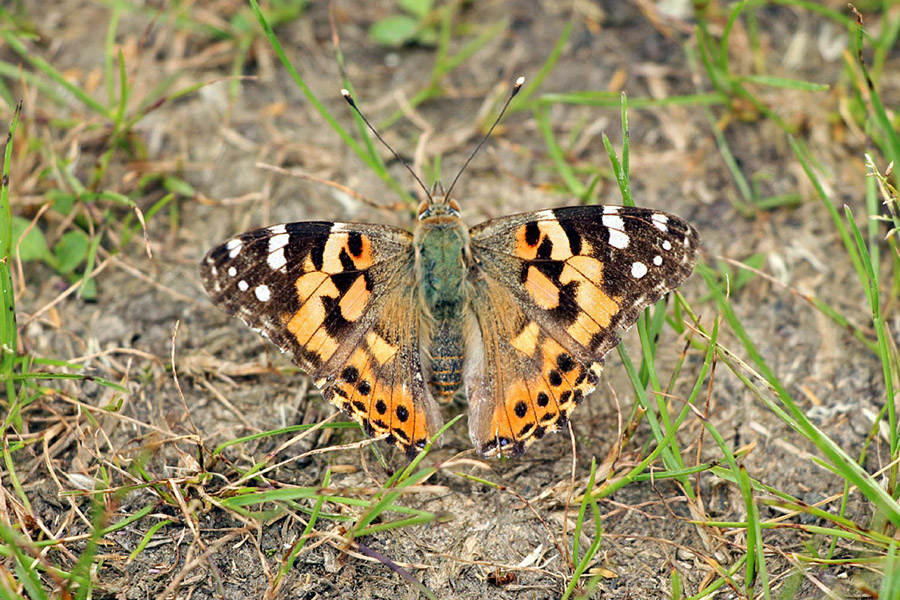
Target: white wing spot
x=262 y=292
x=234 y=247
x=277 y=229
x=660 y=221
x=242 y=285
x=657 y=260
x=277 y=260
x=232 y=271
x=638 y=270
x=616 y=226
x=667 y=245
x=610 y=210
x=278 y=241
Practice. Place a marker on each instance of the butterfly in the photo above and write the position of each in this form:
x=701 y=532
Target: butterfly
x=519 y=310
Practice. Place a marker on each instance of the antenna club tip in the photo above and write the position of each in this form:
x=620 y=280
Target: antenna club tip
x=346 y=94
x=520 y=81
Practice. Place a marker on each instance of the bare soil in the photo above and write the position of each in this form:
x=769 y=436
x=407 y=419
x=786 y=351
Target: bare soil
x=234 y=385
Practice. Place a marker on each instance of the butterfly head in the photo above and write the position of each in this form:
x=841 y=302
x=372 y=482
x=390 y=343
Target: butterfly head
x=438 y=204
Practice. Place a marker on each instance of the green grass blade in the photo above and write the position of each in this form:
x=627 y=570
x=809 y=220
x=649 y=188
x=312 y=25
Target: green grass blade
x=307 y=531
x=890 y=584
x=887 y=358
x=784 y=82
x=756 y=555
x=836 y=219
x=562 y=167
x=834 y=453
x=726 y=34
x=24 y=565
x=50 y=71
x=605 y=99
x=360 y=151
x=147 y=537
x=109 y=52
x=891 y=140
x=582 y=565
x=8 y=328
x=745 y=208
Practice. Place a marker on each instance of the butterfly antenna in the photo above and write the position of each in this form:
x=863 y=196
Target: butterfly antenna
x=346 y=94
x=515 y=90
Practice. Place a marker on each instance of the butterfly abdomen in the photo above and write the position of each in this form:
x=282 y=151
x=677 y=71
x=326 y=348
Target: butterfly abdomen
x=446 y=358
x=441 y=250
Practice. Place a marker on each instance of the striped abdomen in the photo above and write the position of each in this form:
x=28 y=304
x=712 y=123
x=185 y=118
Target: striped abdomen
x=446 y=352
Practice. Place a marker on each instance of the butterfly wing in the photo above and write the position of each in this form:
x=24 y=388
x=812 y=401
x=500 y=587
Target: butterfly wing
x=336 y=296
x=552 y=289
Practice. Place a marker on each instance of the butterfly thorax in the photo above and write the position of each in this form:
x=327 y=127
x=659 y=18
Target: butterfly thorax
x=442 y=255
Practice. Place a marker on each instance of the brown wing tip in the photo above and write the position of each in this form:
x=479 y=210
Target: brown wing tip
x=411 y=448
x=508 y=448
x=504 y=447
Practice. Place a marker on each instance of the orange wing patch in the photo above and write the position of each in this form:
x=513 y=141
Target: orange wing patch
x=546 y=240
x=597 y=307
x=523 y=382
x=345 y=251
x=560 y=263
x=581 y=279
x=333 y=293
x=527 y=340
x=543 y=291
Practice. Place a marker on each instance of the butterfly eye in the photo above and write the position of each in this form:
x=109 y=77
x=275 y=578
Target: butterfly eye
x=454 y=206
x=423 y=207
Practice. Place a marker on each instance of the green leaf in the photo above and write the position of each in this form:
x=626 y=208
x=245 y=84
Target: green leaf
x=428 y=36
x=784 y=82
x=419 y=8
x=88 y=289
x=179 y=186
x=744 y=276
x=71 y=250
x=394 y=31
x=63 y=202
x=34 y=245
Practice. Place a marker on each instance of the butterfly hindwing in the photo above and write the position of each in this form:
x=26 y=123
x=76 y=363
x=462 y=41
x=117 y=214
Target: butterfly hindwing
x=381 y=385
x=572 y=278
x=521 y=382
x=327 y=293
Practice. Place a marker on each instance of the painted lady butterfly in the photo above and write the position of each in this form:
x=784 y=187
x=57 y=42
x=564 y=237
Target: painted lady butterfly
x=520 y=309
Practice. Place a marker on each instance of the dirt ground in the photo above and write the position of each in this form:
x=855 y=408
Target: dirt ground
x=235 y=385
